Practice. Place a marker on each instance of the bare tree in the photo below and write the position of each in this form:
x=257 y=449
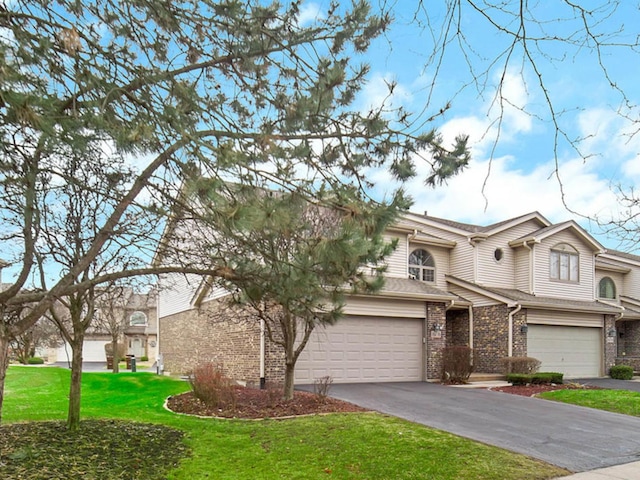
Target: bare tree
x=113 y=316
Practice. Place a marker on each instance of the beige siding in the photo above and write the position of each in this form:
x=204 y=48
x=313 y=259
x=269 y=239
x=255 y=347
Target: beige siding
x=522 y=269
x=630 y=284
x=584 y=288
x=381 y=307
x=478 y=300
x=397 y=261
x=175 y=293
x=502 y=273
x=461 y=258
x=570 y=319
x=441 y=259
x=618 y=279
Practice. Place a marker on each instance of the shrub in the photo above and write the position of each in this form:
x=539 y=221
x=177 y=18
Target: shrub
x=541 y=378
x=211 y=387
x=274 y=393
x=35 y=361
x=321 y=387
x=519 y=378
x=144 y=358
x=546 y=378
x=621 y=372
x=525 y=365
x=457 y=364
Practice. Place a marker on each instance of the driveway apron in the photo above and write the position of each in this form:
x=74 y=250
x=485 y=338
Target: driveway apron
x=575 y=438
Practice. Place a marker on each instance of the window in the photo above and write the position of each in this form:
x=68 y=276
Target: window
x=421 y=266
x=606 y=288
x=564 y=263
x=137 y=318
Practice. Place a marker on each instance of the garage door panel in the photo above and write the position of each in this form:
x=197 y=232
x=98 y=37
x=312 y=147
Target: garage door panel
x=574 y=351
x=363 y=349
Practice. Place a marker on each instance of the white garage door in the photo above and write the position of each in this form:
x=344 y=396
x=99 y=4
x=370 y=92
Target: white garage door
x=364 y=349
x=93 y=351
x=574 y=351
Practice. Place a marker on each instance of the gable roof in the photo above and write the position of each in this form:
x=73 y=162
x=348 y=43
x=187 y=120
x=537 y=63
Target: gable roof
x=628 y=258
x=550 y=230
x=513 y=297
x=468 y=229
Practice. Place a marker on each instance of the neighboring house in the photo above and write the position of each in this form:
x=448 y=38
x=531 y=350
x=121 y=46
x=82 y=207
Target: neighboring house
x=521 y=287
x=140 y=332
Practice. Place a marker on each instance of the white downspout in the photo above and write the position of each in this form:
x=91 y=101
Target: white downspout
x=475 y=259
x=531 y=268
x=262 y=355
x=511 y=314
x=470 y=326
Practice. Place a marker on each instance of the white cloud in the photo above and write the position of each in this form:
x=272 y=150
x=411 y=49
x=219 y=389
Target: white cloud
x=309 y=12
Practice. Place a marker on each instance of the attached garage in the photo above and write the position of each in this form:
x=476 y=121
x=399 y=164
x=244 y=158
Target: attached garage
x=362 y=349
x=575 y=351
x=93 y=351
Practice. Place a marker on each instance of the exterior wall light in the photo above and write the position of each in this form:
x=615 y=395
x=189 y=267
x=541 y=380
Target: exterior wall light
x=524 y=328
x=611 y=333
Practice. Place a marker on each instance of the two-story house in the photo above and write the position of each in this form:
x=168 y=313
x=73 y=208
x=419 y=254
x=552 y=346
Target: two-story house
x=521 y=287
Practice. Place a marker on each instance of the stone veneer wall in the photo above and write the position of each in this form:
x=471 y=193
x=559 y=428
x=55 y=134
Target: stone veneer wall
x=458 y=328
x=519 y=338
x=200 y=336
x=490 y=337
x=610 y=346
x=436 y=341
x=629 y=342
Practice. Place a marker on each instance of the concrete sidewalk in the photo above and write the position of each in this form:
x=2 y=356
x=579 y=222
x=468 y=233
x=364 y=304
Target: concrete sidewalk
x=628 y=471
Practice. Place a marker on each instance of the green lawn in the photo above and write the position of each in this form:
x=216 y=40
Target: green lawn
x=618 y=401
x=349 y=446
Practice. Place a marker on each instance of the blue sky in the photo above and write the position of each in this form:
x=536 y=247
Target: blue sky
x=519 y=163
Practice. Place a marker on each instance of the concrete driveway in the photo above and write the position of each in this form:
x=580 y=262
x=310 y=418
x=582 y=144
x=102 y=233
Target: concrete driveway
x=575 y=438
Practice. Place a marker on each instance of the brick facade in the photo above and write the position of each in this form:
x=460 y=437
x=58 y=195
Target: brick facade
x=436 y=333
x=490 y=337
x=519 y=337
x=628 y=340
x=458 y=328
x=205 y=335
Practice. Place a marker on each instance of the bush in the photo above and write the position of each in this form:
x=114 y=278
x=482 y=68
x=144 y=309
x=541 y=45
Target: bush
x=546 y=378
x=35 y=361
x=321 y=387
x=621 y=372
x=541 y=378
x=518 y=378
x=457 y=364
x=144 y=358
x=211 y=387
x=525 y=365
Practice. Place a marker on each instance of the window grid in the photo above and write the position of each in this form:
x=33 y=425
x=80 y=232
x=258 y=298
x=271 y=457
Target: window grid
x=422 y=266
x=564 y=266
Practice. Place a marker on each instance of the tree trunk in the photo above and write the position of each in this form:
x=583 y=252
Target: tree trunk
x=73 y=417
x=289 y=371
x=116 y=355
x=4 y=364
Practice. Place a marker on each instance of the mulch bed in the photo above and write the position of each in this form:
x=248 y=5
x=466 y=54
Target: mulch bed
x=531 y=390
x=253 y=403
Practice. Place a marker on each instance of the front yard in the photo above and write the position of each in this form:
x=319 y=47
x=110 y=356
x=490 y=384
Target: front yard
x=350 y=446
x=617 y=401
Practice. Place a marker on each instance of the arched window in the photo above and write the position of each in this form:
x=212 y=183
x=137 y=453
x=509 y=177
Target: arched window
x=137 y=318
x=564 y=263
x=607 y=288
x=422 y=266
